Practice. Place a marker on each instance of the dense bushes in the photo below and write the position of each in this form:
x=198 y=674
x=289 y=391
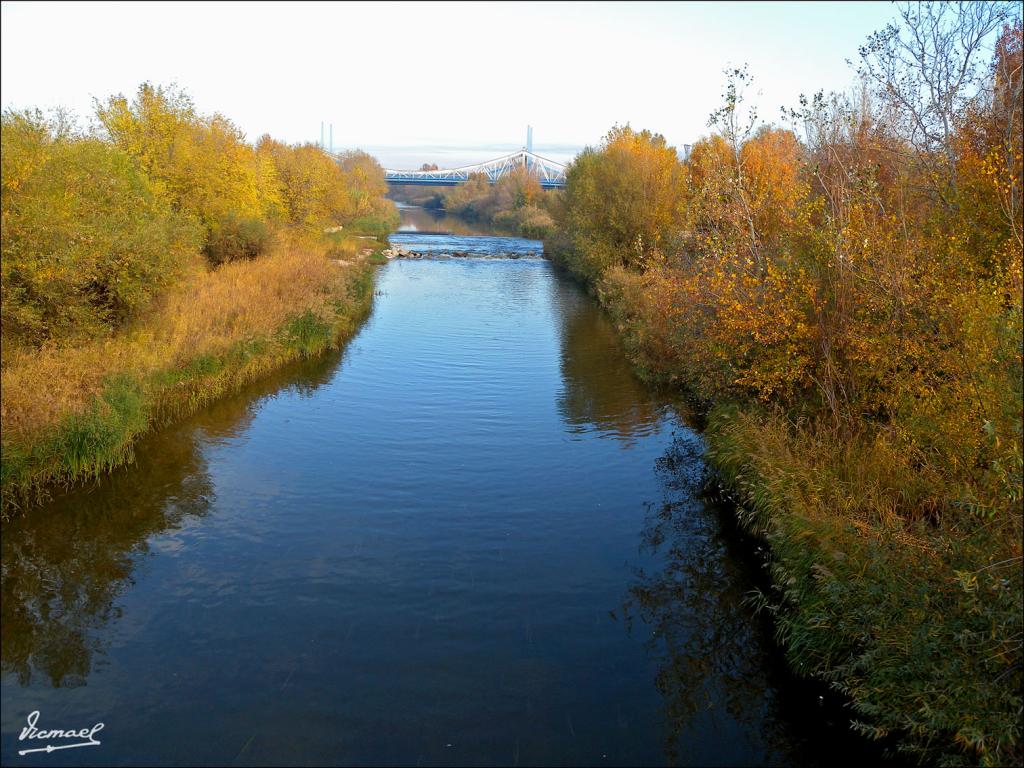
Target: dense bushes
x=855 y=295
x=234 y=238
x=319 y=191
x=201 y=165
x=527 y=220
x=311 y=183
x=96 y=226
x=86 y=242
x=917 y=624
x=625 y=203
x=363 y=179
x=205 y=169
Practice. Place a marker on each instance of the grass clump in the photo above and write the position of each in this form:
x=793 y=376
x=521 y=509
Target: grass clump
x=307 y=334
x=99 y=438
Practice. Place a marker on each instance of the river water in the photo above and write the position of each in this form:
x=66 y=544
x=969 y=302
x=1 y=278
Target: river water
x=472 y=538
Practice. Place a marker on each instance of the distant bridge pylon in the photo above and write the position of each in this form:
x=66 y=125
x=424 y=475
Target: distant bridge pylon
x=550 y=174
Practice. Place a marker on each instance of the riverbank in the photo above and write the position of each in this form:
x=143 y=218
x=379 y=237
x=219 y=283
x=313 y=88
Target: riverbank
x=424 y=506
x=74 y=413
x=157 y=263
x=860 y=376
x=894 y=612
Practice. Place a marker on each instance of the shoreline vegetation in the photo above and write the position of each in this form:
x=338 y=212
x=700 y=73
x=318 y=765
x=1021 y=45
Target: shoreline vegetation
x=842 y=301
x=156 y=263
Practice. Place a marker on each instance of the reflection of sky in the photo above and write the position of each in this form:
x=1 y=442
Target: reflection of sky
x=453 y=157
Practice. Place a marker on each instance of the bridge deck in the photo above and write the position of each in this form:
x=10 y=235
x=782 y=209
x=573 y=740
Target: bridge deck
x=425 y=182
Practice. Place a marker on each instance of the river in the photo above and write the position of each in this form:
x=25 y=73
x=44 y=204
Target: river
x=472 y=538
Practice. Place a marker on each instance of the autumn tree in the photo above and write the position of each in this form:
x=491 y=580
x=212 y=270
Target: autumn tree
x=927 y=68
x=470 y=199
x=623 y=202
x=87 y=242
x=364 y=182
x=201 y=165
x=845 y=299
x=313 y=186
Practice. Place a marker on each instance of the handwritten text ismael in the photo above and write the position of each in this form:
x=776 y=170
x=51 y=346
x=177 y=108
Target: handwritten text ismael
x=31 y=731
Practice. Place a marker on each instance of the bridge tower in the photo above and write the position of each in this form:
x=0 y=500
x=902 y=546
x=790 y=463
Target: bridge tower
x=529 y=147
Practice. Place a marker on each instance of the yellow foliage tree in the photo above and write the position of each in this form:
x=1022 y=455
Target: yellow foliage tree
x=202 y=165
x=624 y=202
x=314 y=188
x=86 y=242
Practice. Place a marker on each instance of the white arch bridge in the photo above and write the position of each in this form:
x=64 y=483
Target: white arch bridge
x=550 y=174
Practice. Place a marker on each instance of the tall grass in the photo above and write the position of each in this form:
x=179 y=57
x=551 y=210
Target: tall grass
x=916 y=621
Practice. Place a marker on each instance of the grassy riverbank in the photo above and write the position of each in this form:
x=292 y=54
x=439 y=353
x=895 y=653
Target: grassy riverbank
x=896 y=570
x=846 y=307
x=71 y=414
x=158 y=261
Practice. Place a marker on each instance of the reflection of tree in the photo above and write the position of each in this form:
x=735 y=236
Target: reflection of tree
x=599 y=387
x=63 y=566
x=703 y=635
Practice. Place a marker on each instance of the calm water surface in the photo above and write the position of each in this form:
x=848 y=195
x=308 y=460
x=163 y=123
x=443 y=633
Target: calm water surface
x=471 y=539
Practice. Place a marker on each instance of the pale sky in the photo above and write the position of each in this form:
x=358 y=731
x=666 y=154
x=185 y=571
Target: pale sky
x=455 y=76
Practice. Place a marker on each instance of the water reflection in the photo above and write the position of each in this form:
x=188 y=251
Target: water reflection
x=599 y=387
x=717 y=668
x=703 y=635
x=416 y=219
x=64 y=566
x=688 y=599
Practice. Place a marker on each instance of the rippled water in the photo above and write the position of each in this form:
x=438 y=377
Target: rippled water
x=471 y=539
x=462 y=246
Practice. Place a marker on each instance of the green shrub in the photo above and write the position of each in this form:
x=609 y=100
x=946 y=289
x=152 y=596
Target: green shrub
x=100 y=439
x=235 y=238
